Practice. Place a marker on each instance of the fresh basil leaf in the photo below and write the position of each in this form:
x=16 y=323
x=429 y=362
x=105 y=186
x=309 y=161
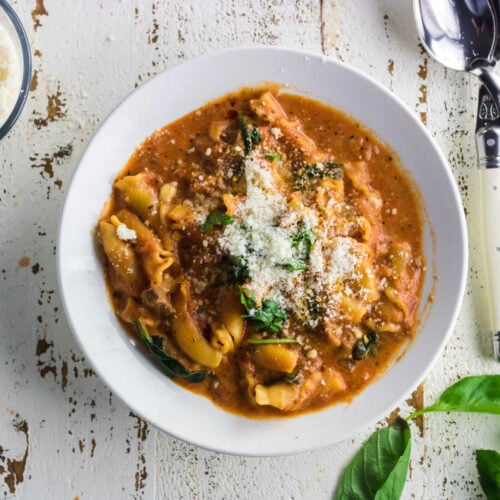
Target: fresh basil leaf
x=251 y=137
x=488 y=466
x=272 y=156
x=380 y=467
x=171 y=366
x=272 y=341
x=295 y=265
x=480 y=394
x=216 y=218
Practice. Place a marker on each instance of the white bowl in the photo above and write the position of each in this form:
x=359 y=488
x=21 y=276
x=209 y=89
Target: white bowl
x=129 y=373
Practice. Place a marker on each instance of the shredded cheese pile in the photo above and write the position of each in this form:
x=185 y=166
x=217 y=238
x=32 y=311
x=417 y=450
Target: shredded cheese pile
x=10 y=77
x=262 y=237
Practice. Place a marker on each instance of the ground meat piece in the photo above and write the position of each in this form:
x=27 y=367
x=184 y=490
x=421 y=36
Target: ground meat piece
x=158 y=301
x=333 y=332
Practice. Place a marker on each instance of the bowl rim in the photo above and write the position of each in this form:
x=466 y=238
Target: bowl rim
x=424 y=369
x=27 y=69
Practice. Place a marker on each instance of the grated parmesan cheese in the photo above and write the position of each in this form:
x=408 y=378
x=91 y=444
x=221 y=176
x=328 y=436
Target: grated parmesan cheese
x=125 y=233
x=277 y=133
x=10 y=75
x=258 y=237
x=262 y=236
x=312 y=354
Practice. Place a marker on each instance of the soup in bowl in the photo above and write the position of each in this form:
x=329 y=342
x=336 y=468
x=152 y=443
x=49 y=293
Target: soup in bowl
x=262 y=268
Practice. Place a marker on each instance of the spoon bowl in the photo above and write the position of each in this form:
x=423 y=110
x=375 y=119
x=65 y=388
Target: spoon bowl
x=461 y=35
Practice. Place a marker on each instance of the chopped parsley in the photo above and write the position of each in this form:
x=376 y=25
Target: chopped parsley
x=303 y=242
x=216 y=218
x=272 y=156
x=295 y=264
x=305 y=238
x=268 y=316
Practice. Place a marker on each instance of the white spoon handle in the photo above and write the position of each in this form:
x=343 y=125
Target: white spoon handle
x=490 y=195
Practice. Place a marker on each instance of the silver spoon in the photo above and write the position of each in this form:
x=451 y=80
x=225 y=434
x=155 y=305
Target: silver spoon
x=464 y=35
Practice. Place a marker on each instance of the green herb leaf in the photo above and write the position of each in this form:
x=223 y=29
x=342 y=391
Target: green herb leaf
x=171 y=366
x=272 y=341
x=272 y=156
x=255 y=136
x=216 y=218
x=488 y=466
x=295 y=265
x=480 y=394
x=247 y=298
x=322 y=170
x=364 y=345
x=251 y=137
x=380 y=467
x=269 y=316
x=306 y=175
x=238 y=271
x=305 y=238
x=292 y=378
x=387 y=451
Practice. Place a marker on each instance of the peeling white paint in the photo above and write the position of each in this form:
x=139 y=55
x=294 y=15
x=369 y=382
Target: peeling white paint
x=87 y=57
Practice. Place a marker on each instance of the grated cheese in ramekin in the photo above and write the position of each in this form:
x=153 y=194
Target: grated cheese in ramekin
x=10 y=74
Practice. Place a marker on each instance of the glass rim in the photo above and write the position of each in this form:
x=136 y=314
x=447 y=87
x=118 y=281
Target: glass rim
x=27 y=67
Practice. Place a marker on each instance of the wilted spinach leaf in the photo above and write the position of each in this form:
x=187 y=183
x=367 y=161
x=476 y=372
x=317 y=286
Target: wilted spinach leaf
x=307 y=175
x=362 y=346
x=171 y=366
x=251 y=136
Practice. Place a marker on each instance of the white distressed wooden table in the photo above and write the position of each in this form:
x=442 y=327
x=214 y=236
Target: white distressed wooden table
x=63 y=434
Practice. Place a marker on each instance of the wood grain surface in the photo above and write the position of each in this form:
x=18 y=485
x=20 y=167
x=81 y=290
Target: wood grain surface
x=63 y=434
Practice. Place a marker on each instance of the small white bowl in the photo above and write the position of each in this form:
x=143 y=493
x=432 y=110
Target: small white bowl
x=129 y=373
x=14 y=36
